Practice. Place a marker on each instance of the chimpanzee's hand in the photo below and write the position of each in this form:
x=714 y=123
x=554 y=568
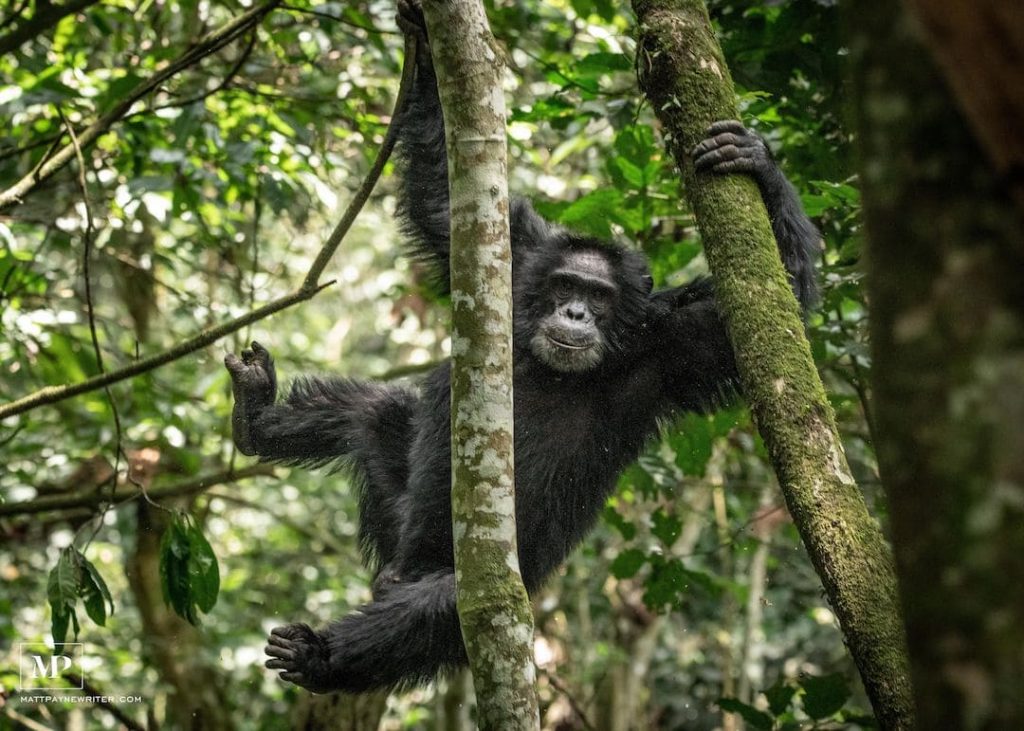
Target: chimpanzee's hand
x=254 y=384
x=301 y=656
x=732 y=148
x=410 y=18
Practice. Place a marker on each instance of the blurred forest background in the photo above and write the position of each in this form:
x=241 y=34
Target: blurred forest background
x=212 y=195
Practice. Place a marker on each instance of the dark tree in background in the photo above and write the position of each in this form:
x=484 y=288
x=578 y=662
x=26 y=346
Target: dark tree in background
x=946 y=279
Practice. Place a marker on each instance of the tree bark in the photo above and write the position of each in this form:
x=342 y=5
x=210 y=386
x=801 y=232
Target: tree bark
x=946 y=254
x=684 y=75
x=494 y=609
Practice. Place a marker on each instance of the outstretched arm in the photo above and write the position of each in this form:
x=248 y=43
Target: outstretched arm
x=732 y=148
x=697 y=364
x=319 y=420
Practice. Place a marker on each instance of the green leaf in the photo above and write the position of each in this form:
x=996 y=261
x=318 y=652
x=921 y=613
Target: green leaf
x=824 y=696
x=59 y=624
x=203 y=571
x=666 y=527
x=596 y=64
x=62 y=587
x=94 y=593
x=625 y=528
x=627 y=563
x=592 y=213
x=755 y=718
x=189 y=574
x=779 y=697
x=634 y=175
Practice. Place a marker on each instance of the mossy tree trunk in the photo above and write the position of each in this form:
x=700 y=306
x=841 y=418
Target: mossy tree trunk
x=946 y=283
x=495 y=611
x=684 y=75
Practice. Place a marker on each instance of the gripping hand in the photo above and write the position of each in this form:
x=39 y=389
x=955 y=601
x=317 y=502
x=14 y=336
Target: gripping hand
x=254 y=385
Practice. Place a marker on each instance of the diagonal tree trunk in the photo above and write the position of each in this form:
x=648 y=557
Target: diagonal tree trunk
x=684 y=75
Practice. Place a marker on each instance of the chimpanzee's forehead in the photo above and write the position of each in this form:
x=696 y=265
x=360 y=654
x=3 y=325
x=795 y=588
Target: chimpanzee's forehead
x=588 y=263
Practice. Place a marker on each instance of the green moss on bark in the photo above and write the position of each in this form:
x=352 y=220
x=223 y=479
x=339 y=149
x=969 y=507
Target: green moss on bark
x=684 y=75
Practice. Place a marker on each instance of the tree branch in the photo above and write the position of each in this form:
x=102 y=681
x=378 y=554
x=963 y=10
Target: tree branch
x=46 y=16
x=79 y=682
x=93 y=498
x=209 y=44
x=307 y=290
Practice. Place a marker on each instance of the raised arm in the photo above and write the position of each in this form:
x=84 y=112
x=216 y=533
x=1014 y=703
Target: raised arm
x=697 y=365
x=320 y=420
x=423 y=202
x=423 y=192
x=732 y=148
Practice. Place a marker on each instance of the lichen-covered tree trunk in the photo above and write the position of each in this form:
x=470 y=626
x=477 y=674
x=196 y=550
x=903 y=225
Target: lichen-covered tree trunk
x=684 y=75
x=495 y=611
x=946 y=280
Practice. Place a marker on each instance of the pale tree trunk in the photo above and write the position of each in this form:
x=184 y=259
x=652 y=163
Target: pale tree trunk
x=494 y=609
x=684 y=75
x=946 y=285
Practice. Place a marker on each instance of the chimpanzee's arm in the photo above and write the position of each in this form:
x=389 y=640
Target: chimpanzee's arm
x=423 y=202
x=319 y=420
x=732 y=148
x=423 y=193
x=696 y=362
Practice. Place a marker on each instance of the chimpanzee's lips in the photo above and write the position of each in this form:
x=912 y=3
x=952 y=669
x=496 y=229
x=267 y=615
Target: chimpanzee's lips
x=570 y=346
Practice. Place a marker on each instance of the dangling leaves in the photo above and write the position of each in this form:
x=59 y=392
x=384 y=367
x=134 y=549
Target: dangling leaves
x=74 y=578
x=189 y=574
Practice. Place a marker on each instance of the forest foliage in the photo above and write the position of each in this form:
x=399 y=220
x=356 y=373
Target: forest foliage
x=212 y=196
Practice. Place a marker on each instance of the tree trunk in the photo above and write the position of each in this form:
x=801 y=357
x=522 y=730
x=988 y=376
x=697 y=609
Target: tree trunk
x=494 y=609
x=685 y=77
x=946 y=257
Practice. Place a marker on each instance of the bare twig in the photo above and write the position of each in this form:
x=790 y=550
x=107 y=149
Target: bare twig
x=93 y=498
x=90 y=311
x=211 y=43
x=308 y=289
x=100 y=699
x=577 y=707
x=337 y=19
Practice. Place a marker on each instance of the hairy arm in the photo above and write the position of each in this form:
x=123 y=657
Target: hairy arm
x=320 y=420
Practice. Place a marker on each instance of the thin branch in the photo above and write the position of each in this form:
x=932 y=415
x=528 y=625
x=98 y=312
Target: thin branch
x=211 y=43
x=309 y=532
x=577 y=707
x=221 y=85
x=337 y=19
x=93 y=498
x=90 y=229
x=307 y=290
x=47 y=15
x=79 y=682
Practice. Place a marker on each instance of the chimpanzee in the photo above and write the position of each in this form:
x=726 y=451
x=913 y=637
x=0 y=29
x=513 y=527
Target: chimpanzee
x=599 y=359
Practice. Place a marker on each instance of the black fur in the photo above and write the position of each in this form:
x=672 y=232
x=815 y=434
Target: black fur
x=576 y=427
